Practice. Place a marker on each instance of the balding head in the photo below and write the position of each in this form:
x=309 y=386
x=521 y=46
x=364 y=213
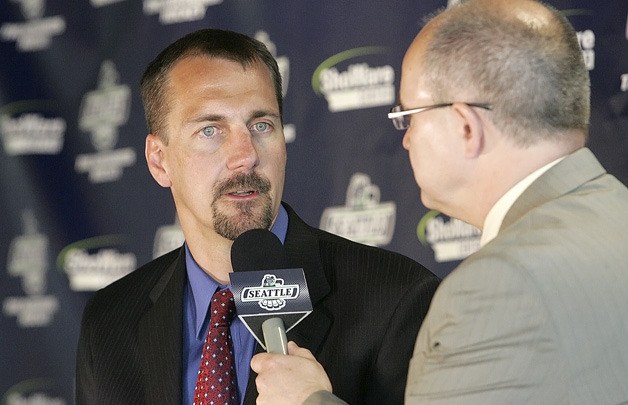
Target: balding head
x=521 y=56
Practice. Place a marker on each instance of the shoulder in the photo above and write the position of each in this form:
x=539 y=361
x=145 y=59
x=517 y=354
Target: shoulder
x=134 y=288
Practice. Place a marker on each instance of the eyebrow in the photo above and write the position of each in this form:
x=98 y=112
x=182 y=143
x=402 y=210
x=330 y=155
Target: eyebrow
x=263 y=113
x=218 y=117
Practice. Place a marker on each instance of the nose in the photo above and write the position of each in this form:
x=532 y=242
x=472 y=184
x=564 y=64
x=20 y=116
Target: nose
x=242 y=152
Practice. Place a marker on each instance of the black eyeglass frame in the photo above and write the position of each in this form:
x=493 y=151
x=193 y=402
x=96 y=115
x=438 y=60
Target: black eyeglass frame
x=399 y=120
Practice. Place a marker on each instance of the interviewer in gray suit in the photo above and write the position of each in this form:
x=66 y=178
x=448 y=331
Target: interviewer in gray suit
x=495 y=103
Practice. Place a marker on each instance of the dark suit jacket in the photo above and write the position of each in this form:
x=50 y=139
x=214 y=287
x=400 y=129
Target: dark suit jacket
x=368 y=305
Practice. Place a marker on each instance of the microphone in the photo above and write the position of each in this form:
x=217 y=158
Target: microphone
x=269 y=296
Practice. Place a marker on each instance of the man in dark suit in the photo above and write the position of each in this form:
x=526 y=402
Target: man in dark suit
x=214 y=110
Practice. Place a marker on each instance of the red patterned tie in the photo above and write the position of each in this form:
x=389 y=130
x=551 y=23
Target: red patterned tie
x=216 y=381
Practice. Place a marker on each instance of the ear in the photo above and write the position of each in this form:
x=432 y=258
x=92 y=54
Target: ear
x=154 y=152
x=472 y=129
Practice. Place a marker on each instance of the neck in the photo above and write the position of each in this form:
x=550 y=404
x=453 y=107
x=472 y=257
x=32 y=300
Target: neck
x=213 y=255
x=499 y=171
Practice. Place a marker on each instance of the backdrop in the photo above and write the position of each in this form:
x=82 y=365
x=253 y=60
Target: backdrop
x=79 y=208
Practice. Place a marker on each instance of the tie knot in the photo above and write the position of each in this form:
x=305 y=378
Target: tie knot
x=222 y=308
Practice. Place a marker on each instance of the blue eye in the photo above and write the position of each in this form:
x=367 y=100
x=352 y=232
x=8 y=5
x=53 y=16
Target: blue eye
x=261 y=127
x=208 y=131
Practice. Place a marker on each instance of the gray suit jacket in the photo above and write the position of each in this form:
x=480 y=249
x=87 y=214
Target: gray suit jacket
x=540 y=314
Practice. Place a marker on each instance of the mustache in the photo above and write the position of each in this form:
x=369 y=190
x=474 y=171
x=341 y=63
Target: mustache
x=250 y=181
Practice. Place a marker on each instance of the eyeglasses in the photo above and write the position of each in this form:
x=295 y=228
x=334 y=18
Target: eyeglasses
x=401 y=119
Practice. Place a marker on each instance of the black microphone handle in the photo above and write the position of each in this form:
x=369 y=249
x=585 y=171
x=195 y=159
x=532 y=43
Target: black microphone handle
x=275 y=336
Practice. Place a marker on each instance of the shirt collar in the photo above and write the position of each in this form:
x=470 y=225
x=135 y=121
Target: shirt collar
x=498 y=212
x=203 y=286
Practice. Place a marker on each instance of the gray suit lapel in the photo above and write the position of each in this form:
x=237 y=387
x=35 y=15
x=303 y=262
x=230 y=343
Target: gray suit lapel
x=570 y=173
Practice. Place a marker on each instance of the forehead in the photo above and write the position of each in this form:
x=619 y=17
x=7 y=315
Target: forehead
x=411 y=87
x=199 y=75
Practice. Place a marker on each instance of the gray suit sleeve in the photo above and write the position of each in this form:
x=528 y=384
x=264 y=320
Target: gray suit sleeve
x=486 y=339
x=323 y=398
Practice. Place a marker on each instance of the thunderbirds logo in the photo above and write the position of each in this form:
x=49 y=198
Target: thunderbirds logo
x=102 y=112
x=451 y=240
x=177 y=11
x=363 y=219
x=272 y=294
x=92 y=264
x=359 y=86
x=28 y=260
x=283 y=63
x=35 y=33
x=26 y=129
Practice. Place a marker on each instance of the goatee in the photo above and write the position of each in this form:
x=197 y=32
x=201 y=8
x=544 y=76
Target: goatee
x=249 y=214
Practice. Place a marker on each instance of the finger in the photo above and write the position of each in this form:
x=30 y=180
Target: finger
x=258 y=362
x=295 y=350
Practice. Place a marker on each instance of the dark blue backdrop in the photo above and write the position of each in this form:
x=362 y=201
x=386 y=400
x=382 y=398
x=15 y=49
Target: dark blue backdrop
x=80 y=208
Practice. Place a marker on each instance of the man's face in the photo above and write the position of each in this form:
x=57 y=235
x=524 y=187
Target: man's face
x=429 y=139
x=225 y=155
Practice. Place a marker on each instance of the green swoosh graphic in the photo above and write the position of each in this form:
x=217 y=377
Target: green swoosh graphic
x=339 y=57
x=90 y=243
x=422 y=226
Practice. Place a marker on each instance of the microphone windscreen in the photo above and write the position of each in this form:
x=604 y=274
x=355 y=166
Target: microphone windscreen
x=258 y=249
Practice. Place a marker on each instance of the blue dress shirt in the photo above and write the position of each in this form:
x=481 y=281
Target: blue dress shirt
x=196 y=297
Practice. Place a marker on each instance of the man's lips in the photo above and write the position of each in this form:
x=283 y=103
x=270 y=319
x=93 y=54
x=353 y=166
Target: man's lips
x=243 y=193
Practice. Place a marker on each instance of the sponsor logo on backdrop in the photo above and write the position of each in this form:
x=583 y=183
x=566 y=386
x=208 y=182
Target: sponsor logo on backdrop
x=450 y=238
x=587 y=43
x=28 y=260
x=37 y=31
x=36 y=391
x=168 y=238
x=102 y=3
x=94 y=263
x=177 y=11
x=363 y=218
x=356 y=86
x=289 y=130
x=27 y=130
x=102 y=112
x=586 y=38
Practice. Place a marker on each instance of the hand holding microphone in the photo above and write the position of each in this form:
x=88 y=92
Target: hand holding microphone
x=288 y=379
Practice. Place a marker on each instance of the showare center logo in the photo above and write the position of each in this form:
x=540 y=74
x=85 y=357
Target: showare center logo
x=364 y=218
x=450 y=239
x=359 y=85
x=34 y=34
x=27 y=129
x=36 y=391
x=272 y=294
x=94 y=263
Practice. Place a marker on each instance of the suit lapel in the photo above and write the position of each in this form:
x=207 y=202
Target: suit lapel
x=303 y=251
x=570 y=173
x=159 y=336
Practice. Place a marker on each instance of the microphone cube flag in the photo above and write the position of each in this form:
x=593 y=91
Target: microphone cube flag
x=264 y=294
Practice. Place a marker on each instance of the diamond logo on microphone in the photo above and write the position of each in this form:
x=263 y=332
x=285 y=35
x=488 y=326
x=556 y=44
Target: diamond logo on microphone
x=272 y=294
x=264 y=294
